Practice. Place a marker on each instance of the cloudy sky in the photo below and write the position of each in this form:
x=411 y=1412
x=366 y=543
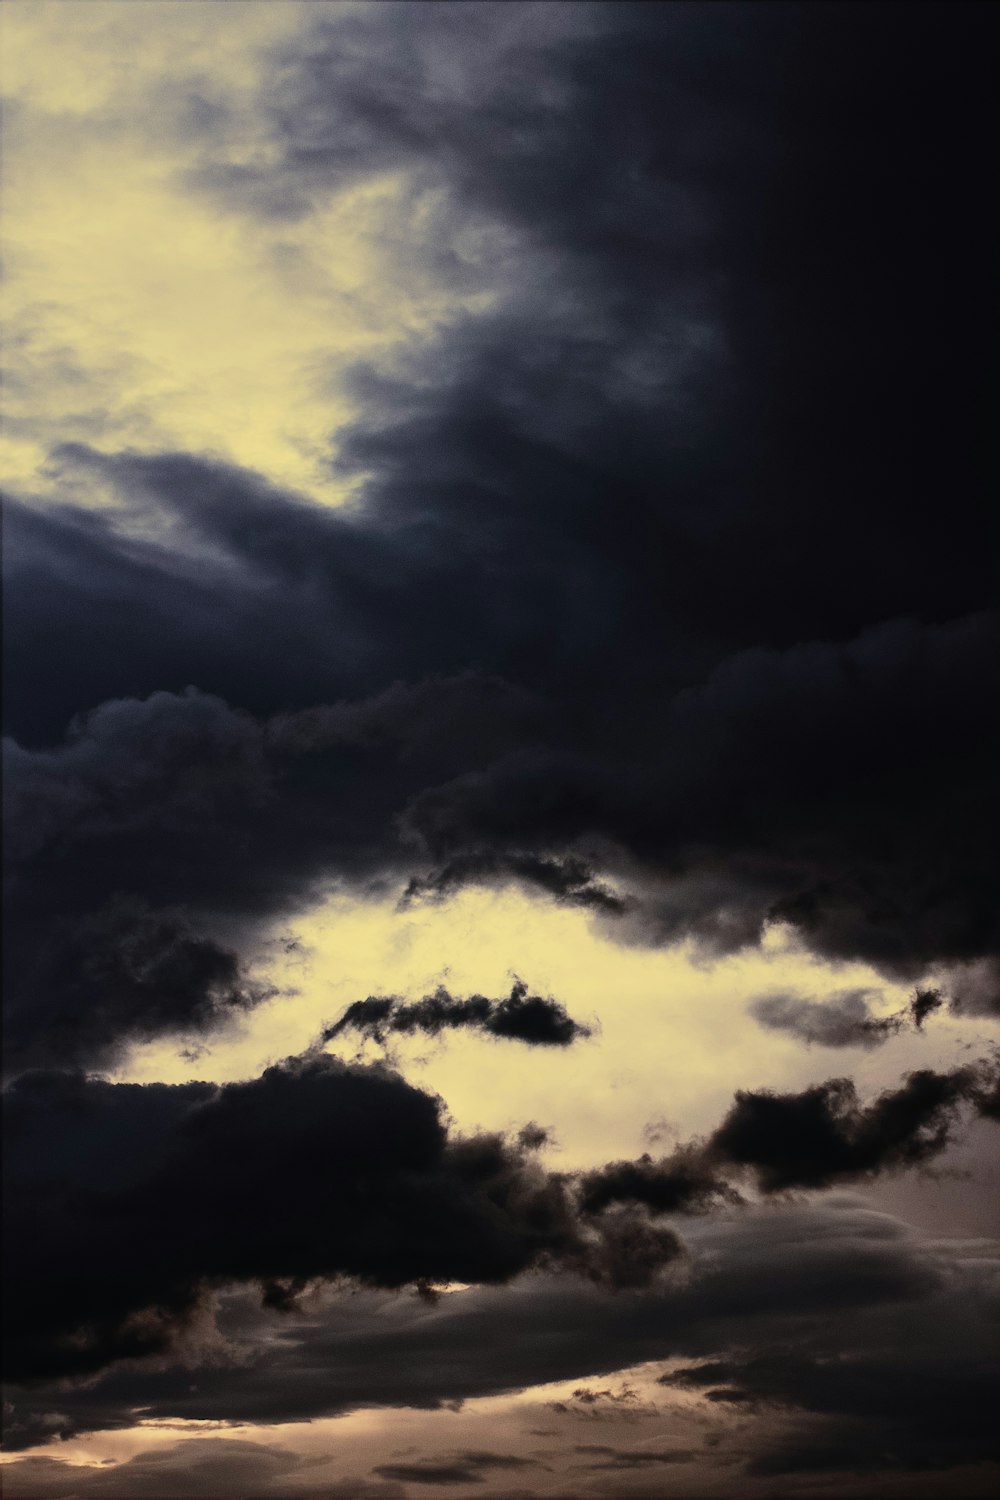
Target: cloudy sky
x=501 y=980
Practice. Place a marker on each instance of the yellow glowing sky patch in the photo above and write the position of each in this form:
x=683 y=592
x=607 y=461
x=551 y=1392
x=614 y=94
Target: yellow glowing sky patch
x=142 y=312
x=673 y=1038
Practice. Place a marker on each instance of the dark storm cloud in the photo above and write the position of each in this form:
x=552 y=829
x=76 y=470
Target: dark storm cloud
x=924 y=1003
x=787 y=787
x=159 y=818
x=587 y=1397
x=519 y=1017
x=180 y=808
x=604 y=1406
x=823 y=1136
x=566 y=879
x=817 y=1138
x=369 y=1183
x=860 y=1386
x=869 y=1403
x=825 y=1286
x=674 y=483
x=684 y=1182
x=125 y=973
x=373 y=1188
x=671 y=168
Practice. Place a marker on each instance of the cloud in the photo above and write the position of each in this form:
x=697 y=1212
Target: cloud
x=428 y=1473
x=843 y=1020
x=199 y=1468
x=519 y=1017
x=467 y=1468
x=924 y=1003
x=373 y=1188
x=567 y=879
x=706 y=834
x=605 y=1405
x=817 y=1138
x=631 y=485
x=161 y=820
x=666 y=587
x=823 y=1136
x=892 y=1326
x=180 y=800
x=605 y=1459
x=868 y=1403
x=371 y=1184
x=684 y=1182
x=975 y=987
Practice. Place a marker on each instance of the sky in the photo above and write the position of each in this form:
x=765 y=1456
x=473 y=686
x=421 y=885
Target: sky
x=502 y=963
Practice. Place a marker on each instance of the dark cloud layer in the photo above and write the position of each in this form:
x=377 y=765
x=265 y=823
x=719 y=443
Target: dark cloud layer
x=893 y=1336
x=518 y=1017
x=373 y=1188
x=868 y=1402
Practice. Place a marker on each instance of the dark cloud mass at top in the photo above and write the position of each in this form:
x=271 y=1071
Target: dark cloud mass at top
x=695 y=502
x=667 y=590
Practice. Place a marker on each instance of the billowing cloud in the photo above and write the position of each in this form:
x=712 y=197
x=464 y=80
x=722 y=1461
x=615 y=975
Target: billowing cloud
x=814 y=1139
x=823 y=1136
x=373 y=1188
x=160 y=819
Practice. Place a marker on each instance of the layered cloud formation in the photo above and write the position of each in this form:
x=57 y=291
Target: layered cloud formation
x=660 y=584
